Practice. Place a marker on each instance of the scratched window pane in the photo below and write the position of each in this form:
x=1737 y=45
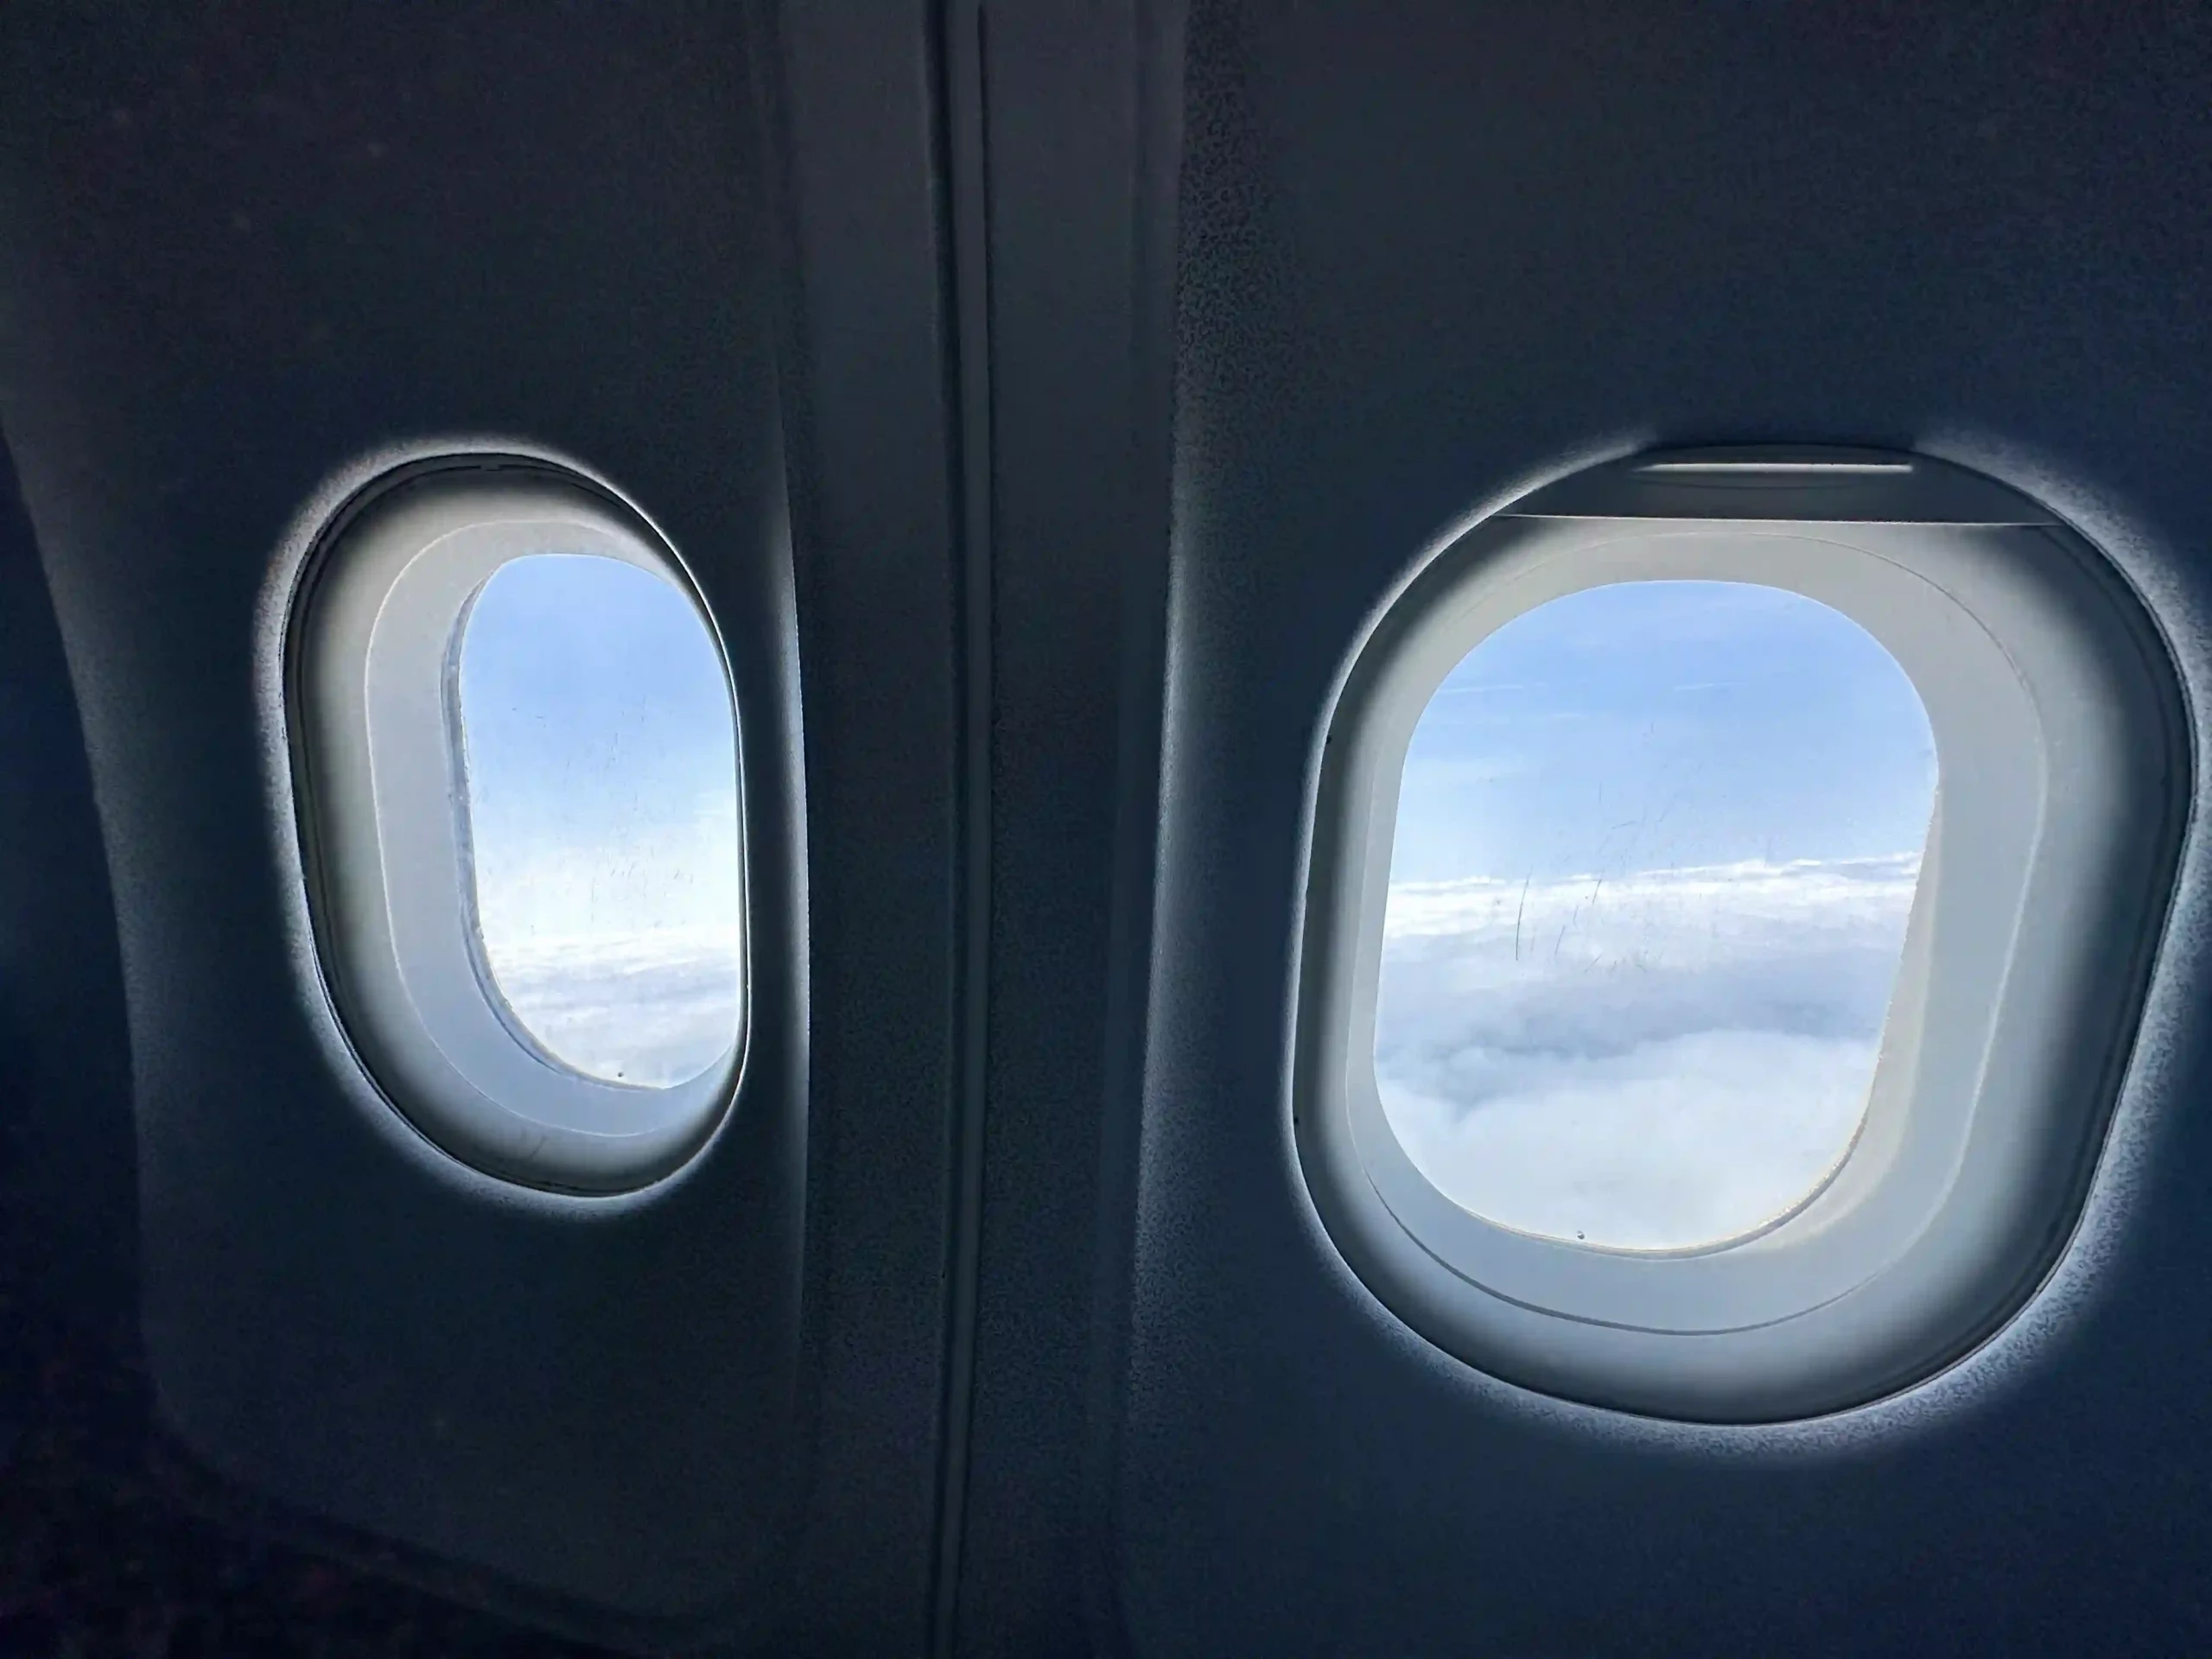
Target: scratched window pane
x=600 y=753
x=1656 y=844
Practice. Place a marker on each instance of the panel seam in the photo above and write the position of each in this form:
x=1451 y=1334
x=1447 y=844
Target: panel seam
x=962 y=137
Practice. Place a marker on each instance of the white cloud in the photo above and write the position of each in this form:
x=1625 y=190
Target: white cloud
x=1660 y=1060
x=621 y=956
x=653 y=1008
x=653 y=877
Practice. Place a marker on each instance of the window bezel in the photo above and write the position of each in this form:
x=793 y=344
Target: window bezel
x=383 y=812
x=1967 y=1171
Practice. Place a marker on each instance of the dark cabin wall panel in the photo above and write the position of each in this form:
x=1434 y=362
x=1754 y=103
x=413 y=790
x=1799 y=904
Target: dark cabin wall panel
x=1430 y=254
x=257 y=252
x=1080 y=160
x=246 y=248
x=872 y=420
x=1421 y=255
x=68 y=1201
x=1058 y=85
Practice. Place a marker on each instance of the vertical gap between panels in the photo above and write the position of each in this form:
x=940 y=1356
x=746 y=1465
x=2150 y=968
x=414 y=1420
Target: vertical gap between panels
x=963 y=118
x=1155 y=178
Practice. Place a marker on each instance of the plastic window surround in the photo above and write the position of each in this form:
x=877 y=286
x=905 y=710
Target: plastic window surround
x=383 y=808
x=2064 y=777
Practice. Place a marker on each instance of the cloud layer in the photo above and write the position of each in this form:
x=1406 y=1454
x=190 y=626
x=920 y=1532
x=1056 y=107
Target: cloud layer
x=653 y=1008
x=1655 y=1061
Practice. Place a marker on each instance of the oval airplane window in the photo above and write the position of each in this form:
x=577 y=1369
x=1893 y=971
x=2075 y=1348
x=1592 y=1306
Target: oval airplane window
x=601 y=757
x=1657 y=845
x=519 y=771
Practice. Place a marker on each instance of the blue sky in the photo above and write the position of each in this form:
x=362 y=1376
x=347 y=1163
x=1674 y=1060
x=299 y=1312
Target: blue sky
x=1652 y=725
x=594 y=702
x=601 y=754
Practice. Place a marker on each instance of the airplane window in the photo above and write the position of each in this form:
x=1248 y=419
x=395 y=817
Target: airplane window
x=602 y=819
x=1656 y=848
x=518 y=763
x=1667 y=1037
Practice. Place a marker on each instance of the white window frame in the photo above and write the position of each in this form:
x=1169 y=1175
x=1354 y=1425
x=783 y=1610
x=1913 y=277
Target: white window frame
x=2064 y=778
x=371 y=683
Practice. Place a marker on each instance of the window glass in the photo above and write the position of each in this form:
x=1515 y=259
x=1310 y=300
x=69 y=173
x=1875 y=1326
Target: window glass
x=1656 y=844
x=599 y=749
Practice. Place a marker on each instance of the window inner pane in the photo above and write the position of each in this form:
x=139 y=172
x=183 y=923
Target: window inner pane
x=1657 y=845
x=600 y=753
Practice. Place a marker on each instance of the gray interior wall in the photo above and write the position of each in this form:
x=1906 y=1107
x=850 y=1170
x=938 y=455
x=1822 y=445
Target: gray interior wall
x=1430 y=255
x=247 y=249
x=1063 y=386
x=68 y=1220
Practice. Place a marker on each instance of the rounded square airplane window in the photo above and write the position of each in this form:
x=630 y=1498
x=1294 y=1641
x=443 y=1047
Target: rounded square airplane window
x=1732 y=885
x=1656 y=848
x=595 y=733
